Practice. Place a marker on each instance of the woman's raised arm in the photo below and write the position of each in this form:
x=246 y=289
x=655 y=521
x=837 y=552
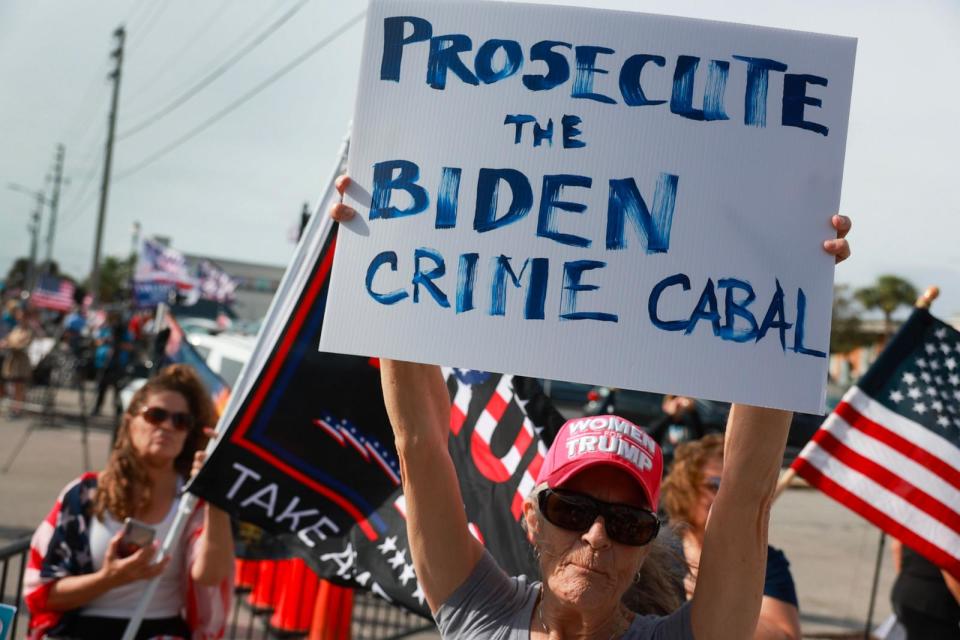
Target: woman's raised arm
x=444 y=553
x=726 y=601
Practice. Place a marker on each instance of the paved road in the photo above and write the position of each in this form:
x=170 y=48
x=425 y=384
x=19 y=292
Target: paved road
x=831 y=550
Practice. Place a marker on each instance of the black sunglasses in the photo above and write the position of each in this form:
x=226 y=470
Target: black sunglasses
x=157 y=416
x=577 y=512
x=712 y=484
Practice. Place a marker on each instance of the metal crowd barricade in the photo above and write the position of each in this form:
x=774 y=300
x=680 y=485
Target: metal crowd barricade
x=371 y=617
x=13 y=563
x=276 y=599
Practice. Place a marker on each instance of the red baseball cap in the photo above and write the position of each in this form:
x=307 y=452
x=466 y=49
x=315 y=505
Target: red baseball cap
x=583 y=443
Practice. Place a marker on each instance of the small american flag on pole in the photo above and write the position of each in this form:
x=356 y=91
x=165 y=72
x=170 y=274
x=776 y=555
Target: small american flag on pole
x=890 y=451
x=54 y=293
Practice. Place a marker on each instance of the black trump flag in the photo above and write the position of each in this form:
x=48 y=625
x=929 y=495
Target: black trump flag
x=306 y=452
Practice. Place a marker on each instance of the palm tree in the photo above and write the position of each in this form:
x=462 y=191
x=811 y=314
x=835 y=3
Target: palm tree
x=888 y=294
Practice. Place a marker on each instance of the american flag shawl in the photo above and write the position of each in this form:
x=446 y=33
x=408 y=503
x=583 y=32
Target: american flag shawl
x=60 y=547
x=54 y=293
x=890 y=451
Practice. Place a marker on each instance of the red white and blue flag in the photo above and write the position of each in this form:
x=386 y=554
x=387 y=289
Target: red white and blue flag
x=215 y=283
x=54 y=293
x=161 y=271
x=890 y=451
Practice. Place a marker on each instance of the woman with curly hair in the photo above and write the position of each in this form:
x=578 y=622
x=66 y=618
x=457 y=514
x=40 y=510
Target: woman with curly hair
x=80 y=584
x=689 y=491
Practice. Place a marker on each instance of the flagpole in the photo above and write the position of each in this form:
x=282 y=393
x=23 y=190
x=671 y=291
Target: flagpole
x=784 y=482
x=188 y=501
x=923 y=302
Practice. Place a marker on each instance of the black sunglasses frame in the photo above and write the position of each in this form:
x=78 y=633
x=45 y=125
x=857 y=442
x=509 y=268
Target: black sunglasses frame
x=613 y=516
x=158 y=415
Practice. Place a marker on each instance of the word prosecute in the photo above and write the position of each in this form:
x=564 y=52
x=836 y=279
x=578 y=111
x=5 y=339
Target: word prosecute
x=499 y=59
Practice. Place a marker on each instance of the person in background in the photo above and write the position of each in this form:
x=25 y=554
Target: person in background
x=112 y=354
x=73 y=327
x=16 y=367
x=82 y=584
x=680 y=422
x=7 y=323
x=925 y=598
x=689 y=492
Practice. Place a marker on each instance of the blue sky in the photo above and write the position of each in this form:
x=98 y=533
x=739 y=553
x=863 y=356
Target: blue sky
x=235 y=190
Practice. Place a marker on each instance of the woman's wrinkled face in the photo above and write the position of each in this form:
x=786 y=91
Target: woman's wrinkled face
x=159 y=444
x=706 y=492
x=588 y=570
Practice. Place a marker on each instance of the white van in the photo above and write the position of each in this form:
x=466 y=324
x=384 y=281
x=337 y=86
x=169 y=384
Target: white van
x=225 y=353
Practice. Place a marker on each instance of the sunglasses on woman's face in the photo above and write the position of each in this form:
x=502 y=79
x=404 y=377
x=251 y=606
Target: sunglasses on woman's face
x=711 y=484
x=157 y=416
x=577 y=512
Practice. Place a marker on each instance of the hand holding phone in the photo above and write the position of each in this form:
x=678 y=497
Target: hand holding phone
x=136 y=535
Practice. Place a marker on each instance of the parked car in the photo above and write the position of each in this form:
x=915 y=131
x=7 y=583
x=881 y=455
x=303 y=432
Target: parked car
x=642 y=407
x=225 y=353
x=565 y=392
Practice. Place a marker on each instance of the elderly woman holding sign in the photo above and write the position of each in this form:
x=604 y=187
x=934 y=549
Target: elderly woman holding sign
x=591 y=519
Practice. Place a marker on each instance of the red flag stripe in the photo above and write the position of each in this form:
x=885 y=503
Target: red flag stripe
x=894 y=506
x=536 y=463
x=497 y=405
x=488 y=464
x=890 y=481
x=919 y=435
x=457 y=418
x=891 y=459
x=909 y=449
x=524 y=438
x=853 y=502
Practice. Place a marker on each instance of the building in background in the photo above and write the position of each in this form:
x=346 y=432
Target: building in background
x=256 y=284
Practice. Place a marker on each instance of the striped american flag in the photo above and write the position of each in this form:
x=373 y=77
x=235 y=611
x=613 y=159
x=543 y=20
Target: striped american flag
x=52 y=292
x=890 y=451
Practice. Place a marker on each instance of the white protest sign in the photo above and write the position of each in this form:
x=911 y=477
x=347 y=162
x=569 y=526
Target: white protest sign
x=604 y=197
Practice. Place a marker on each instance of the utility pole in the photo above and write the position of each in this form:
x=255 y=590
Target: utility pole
x=34 y=230
x=120 y=34
x=134 y=241
x=304 y=219
x=54 y=203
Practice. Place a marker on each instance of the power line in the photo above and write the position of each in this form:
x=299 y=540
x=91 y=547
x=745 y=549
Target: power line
x=219 y=71
x=244 y=98
x=226 y=51
x=136 y=6
x=170 y=63
x=83 y=110
x=152 y=21
x=78 y=202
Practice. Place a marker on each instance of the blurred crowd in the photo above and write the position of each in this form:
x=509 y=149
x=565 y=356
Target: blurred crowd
x=103 y=344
